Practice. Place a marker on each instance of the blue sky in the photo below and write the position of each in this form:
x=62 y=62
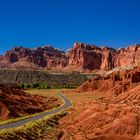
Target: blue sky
x=60 y=23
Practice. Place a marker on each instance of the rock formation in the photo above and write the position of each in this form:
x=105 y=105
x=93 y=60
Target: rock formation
x=80 y=57
x=45 y=56
x=91 y=57
x=115 y=82
x=127 y=56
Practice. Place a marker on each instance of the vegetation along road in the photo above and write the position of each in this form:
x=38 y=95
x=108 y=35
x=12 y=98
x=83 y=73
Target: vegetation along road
x=67 y=104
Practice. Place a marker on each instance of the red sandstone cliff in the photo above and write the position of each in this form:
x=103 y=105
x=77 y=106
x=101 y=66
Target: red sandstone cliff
x=45 y=56
x=91 y=57
x=80 y=57
x=127 y=56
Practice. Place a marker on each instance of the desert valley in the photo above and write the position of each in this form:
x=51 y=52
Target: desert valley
x=86 y=93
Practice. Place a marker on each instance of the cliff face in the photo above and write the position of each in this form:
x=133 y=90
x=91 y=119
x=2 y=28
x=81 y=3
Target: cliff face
x=88 y=57
x=80 y=57
x=91 y=57
x=127 y=56
x=45 y=56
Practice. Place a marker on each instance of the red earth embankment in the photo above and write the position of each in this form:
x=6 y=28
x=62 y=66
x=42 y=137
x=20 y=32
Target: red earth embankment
x=14 y=102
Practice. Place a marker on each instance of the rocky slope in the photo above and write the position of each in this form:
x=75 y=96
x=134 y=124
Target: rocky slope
x=106 y=121
x=19 y=76
x=15 y=103
x=80 y=57
x=114 y=112
x=115 y=82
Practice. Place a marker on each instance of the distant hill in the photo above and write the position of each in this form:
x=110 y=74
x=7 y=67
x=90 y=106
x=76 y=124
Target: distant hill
x=51 y=79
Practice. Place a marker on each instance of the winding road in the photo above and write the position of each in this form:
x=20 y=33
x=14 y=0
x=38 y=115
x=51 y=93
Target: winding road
x=67 y=104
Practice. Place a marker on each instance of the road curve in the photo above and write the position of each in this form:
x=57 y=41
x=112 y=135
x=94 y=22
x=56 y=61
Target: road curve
x=67 y=104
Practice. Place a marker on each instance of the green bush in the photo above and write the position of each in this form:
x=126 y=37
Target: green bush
x=44 y=86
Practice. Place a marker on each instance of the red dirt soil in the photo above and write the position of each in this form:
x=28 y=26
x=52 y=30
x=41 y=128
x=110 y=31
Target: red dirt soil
x=115 y=115
x=15 y=103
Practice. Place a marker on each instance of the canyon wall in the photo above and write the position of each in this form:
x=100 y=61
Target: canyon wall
x=92 y=57
x=80 y=57
x=45 y=56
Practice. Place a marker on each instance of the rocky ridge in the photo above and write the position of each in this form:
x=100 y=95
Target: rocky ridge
x=80 y=57
x=40 y=57
x=116 y=81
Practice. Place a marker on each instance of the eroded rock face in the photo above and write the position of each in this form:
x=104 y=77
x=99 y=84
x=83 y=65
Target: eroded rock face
x=127 y=56
x=108 y=117
x=45 y=56
x=91 y=57
x=116 y=82
x=80 y=57
x=114 y=114
x=109 y=122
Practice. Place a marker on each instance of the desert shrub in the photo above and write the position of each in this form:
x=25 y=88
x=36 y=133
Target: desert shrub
x=21 y=85
x=35 y=85
x=44 y=86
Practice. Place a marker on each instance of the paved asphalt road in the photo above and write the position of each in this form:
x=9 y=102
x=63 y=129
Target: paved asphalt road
x=66 y=105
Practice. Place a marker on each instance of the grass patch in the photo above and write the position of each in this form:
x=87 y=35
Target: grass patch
x=33 y=130
x=22 y=118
